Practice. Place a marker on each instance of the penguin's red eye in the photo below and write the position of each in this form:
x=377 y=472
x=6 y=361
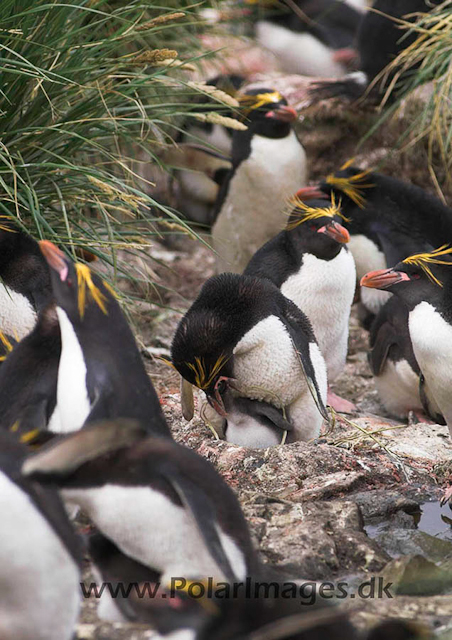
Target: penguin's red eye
x=313 y=227
x=69 y=281
x=416 y=276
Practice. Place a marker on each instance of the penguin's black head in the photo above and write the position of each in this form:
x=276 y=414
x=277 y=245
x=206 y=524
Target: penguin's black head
x=266 y=113
x=424 y=276
x=75 y=287
x=351 y=184
x=200 y=357
x=319 y=225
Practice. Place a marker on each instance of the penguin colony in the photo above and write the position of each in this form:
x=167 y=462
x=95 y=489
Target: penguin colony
x=81 y=426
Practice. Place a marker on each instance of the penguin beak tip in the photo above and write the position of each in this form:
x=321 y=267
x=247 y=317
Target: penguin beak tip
x=335 y=231
x=55 y=258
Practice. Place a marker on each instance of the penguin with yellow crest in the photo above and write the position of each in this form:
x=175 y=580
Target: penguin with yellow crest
x=100 y=372
x=310 y=264
x=268 y=166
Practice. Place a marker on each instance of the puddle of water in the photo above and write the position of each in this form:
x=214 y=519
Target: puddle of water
x=432 y=519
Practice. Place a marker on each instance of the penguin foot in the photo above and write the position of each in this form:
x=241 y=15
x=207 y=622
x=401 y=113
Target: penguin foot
x=447 y=496
x=348 y=57
x=417 y=415
x=340 y=404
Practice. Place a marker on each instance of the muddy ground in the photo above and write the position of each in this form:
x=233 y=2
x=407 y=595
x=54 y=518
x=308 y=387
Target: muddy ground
x=350 y=505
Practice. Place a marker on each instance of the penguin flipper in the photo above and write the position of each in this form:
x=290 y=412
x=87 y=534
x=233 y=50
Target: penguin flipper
x=385 y=338
x=295 y=323
x=64 y=455
x=430 y=412
x=203 y=514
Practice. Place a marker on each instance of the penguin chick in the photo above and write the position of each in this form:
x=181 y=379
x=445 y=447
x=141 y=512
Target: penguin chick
x=100 y=373
x=310 y=38
x=388 y=220
x=242 y=333
x=379 y=41
x=28 y=378
x=24 y=280
x=268 y=166
x=40 y=555
x=393 y=363
x=424 y=283
x=249 y=423
x=311 y=265
x=162 y=504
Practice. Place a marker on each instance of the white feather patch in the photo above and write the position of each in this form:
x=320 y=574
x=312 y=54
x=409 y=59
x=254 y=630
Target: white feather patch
x=17 y=316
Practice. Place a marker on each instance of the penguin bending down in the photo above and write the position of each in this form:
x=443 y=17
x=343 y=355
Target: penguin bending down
x=242 y=334
x=268 y=166
x=310 y=38
x=424 y=283
x=311 y=266
x=379 y=40
x=101 y=373
x=28 y=378
x=24 y=280
x=160 y=503
x=388 y=220
x=40 y=555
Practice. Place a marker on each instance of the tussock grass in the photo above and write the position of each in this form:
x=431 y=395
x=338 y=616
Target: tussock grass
x=86 y=85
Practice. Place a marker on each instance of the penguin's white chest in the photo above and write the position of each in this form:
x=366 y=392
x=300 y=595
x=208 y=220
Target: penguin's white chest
x=266 y=364
x=368 y=257
x=431 y=336
x=398 y=388
x=38 y=577
x=150 y=528
x=254 y=209
x=73 y=404
x=17 y=316
x=324 y=290
x=298 y=52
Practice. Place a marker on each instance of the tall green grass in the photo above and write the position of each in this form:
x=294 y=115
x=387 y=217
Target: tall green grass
x=427 y=60
x=85 y=85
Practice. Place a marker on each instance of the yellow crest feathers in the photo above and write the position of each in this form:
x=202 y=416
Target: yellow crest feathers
x=84 y=282
x=351 y=186
x=250 y=102
x=203 y=377
x=423 y=260
x=304 y=212
x=7 y=344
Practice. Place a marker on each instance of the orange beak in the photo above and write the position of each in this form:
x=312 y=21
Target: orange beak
x=336 y=231
x=383 y=278
x=55 y=258
x=311 y=193
x=283 y=113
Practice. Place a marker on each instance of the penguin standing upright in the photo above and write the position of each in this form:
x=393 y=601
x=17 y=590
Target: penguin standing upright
x=388 y=220
x=101 y=373
x=379 y=42
x=424 y=283
x=40 y=555
x=160 y=503
x=269 y=165
x=309 y=37
x=242 y=334
x=28 y=378
x=24 y=280
x=311 y=265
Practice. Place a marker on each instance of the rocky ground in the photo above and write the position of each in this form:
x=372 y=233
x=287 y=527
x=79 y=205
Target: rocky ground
x=345 y=507
x=362 y=500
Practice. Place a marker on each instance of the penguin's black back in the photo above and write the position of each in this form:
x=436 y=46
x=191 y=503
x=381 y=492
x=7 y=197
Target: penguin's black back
x=28 y=376
x=333 y=22
x=116 y=377
x=380 y=39
x=23 y=267
x=228 y=306
x=401 y=218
